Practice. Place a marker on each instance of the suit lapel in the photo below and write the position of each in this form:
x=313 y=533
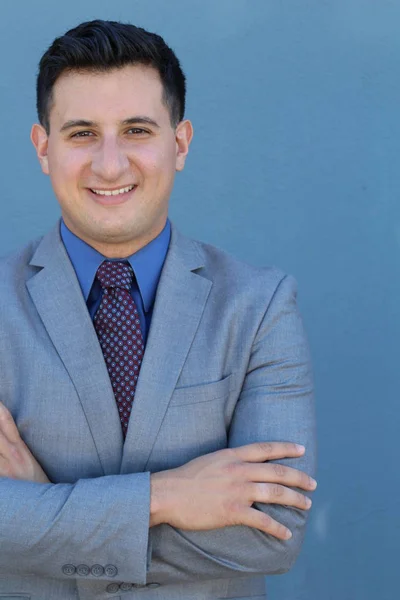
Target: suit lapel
x=179 y=305
x=59 y=301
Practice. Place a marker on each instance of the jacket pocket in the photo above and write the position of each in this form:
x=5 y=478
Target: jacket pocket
x=204 y=392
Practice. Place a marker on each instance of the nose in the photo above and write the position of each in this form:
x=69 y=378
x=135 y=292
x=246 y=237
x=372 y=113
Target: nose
x=109 y=161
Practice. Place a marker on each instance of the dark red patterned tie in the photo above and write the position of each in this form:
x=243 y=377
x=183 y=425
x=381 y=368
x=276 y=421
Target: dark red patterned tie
x=117 y=325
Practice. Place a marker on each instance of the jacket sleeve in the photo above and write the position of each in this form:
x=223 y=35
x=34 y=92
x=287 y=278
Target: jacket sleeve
x=276 y=404
x=47 y=529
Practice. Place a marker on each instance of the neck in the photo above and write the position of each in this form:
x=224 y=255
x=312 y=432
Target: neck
x=118 y=249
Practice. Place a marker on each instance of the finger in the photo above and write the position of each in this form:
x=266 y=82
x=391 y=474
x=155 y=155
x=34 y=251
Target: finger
x=263 y=451
x=273 y=493
x=8 y=426
x=259 y=520
x=5 y=446
x=5 y=468
x=10 y=458
x=277 y=473
x=11 y=453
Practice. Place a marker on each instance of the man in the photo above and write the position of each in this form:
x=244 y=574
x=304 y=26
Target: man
x=149 y=382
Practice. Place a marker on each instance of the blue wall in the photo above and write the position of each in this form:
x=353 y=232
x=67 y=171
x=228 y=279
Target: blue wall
x=295 y=162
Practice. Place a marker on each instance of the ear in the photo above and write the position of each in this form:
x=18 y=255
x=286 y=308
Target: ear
x=183 y=136
x=40 y=140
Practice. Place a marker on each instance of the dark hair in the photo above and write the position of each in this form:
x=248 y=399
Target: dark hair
x=106 y=45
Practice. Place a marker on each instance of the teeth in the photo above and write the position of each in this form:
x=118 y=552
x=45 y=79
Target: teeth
x=114 y=192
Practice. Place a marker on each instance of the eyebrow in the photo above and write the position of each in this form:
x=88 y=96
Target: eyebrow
x=131 y=121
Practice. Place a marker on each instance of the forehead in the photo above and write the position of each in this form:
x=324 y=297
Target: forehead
x=116 y=94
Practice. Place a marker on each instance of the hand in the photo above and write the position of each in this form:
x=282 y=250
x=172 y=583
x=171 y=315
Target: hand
x=218 y=489
x=16 y=460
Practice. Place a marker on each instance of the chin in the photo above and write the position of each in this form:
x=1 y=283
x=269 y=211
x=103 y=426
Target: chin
x=121 y=227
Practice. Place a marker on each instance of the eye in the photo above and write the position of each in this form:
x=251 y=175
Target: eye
x=79 y=134
x=138 y=131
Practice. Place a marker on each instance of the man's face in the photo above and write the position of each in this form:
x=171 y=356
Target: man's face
x=112 y=155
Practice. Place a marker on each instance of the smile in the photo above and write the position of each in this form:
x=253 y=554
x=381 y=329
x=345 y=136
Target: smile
x=112 y=192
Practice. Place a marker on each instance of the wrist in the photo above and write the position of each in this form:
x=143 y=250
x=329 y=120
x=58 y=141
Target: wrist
x=159 y=498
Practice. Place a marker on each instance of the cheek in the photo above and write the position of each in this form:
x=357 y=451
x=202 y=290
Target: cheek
x=156 y=162
x=66 y=166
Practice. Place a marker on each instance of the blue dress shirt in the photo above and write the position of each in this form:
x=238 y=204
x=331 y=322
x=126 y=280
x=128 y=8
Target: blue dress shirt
x=146 y=264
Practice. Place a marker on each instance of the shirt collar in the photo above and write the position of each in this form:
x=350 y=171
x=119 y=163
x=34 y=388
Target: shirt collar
x=146 y=262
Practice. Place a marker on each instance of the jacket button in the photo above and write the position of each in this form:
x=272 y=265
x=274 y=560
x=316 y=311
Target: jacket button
x=110 y=570
x=97 y=570
x=125 y=587
x=152 y=586
x=69 y=569
x=112 y=588
x=83 y=570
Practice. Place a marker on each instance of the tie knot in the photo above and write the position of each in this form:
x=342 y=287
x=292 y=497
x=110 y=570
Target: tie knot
x=114 y=274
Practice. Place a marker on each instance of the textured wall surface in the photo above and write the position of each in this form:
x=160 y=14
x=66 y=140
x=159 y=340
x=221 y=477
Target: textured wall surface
x=294 y=163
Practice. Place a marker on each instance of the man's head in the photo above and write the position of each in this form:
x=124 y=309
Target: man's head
x=111 y=136
x=101 y=46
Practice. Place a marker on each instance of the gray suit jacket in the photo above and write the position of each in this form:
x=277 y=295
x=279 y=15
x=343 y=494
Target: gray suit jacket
x=226 y=363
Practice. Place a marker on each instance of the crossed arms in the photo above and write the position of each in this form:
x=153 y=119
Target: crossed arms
x=250 y=502
x=214 y=491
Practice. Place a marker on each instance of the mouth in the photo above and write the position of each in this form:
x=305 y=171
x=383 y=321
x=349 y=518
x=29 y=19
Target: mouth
x=110 y=197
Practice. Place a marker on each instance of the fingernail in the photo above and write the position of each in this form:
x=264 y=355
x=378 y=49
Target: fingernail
x=313 y=483
x=300 y=448
x=288 y=534
x=308 y=502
